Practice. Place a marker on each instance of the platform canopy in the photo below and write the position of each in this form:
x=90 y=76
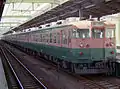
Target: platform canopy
x=69 y=8
x=31 y=1
x=17 y=12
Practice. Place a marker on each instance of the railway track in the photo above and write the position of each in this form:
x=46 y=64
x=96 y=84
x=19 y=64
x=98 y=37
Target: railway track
x=88 y=84
x=25 y=79
x=91 y=83
x=106 y=82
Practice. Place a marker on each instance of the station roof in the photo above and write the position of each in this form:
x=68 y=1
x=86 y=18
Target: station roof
x=73 y=8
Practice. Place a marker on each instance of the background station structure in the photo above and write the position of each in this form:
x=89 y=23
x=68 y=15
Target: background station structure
x=23 y=14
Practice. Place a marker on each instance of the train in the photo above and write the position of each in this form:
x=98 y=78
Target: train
x=78 y=46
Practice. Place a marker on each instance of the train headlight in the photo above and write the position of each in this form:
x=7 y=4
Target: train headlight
x=87 y=45
x=111 y=44
x=107 y=44
x=81 y=45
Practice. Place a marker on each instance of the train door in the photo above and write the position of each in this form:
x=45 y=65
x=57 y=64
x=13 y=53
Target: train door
x=69 y=38
x=64 y=38
x=64 y=43
x=109 y=45
x=97 y=49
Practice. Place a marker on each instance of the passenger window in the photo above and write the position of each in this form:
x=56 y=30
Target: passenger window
x=37 y=37
x=50 y=37
x=58 y=38
x=64 y=37
x=47 y=38
x=55 y=38
x=69 y=36
x=41 y=38
x=44 y=37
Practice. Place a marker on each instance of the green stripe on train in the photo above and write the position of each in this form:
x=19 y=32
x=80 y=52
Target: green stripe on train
x=72 y=55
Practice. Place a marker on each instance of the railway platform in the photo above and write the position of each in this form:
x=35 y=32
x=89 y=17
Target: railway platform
x=117 y=65
x=118 y=51
x=3 y=82
x=118 y=57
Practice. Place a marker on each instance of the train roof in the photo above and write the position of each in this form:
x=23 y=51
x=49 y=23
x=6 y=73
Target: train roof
x=109 y=23
x=42 y=29
x=79 y=23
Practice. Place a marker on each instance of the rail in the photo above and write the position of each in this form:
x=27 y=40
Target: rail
x=87 y=82
x=21 y=85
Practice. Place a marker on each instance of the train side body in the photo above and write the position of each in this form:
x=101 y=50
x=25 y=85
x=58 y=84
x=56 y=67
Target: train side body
x=80 y=46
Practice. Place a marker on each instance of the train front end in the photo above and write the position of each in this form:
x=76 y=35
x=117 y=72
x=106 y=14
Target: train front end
x=110 y=43
x=93 y=48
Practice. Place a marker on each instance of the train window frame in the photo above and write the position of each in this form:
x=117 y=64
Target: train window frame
x=77 y=35
x=37 y=37
x=64 y=37
x=54 y=37
x=113 y=33
x=51 y=38
x=69 y=35
x=58 y=38
x=45 y=37
x=41 y=37
x=48 y=36
x=98 y=37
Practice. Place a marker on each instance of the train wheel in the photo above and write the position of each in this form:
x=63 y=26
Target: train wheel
x=40 y=54
x=72 y=69
x=58 y=66
x=50 y=57
x=65 y=64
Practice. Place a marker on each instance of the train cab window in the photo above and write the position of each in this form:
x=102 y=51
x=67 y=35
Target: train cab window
x=109 y=33
x=97 y=33
x=81 y=33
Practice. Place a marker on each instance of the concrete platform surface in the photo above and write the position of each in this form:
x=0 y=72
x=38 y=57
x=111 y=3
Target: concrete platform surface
x=3 y=82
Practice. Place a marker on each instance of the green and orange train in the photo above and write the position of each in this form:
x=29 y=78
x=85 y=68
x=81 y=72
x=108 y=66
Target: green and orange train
x=82 y=47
